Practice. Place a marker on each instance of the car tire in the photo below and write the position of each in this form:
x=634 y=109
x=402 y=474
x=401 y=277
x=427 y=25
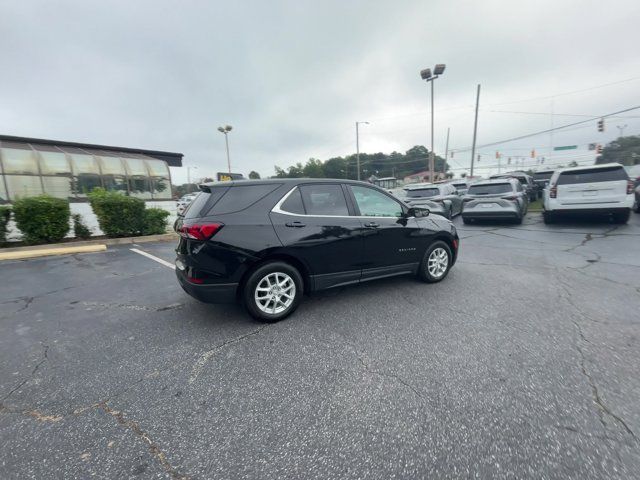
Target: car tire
x=466 y=221
x=548 y=218
x=273 y=281
x=622 y=217
x=518 y=220
x=436 y=262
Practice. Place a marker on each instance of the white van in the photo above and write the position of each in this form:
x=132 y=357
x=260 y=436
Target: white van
x=594 y=189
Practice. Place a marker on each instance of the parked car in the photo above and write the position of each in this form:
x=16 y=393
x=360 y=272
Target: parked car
x=500 y=198
x=541 y=179
x=461 y=185
x=637 y=196
x=594 y=189
x=525 y=179
x=267 y=242
x=439 y=198
x=185 y=201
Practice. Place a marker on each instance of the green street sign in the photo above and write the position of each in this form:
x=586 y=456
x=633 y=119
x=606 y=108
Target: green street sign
x=566 y=147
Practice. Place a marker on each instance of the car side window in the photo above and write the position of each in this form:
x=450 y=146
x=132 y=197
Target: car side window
x=373 y=203
x=324 y=199
x=519 y=187
x=293 y=203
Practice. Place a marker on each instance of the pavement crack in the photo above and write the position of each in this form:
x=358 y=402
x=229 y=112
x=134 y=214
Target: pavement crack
x=154 y=448
x=33 y=372
x=206 y=356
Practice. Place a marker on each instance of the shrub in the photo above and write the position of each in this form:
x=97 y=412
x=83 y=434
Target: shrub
x=42 y=219
x=118 y=215
x=80 y=230
x=5 y=216
x=155 y=221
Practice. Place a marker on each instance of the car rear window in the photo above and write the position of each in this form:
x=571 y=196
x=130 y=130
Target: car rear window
x=324 y=199
x=491 y=189
x=422 y=192
x=203 y=202
x=593 y=175
x=239 y=197
x=542 y=175
x=293 y=203
x=459 y=185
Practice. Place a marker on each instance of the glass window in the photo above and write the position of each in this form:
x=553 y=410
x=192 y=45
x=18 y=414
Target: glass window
x=57 y=186
x=114 y=184
x=136 y=166
x=139 y=187
x=519 y=187
x=161 y=188
x=593 y=175
x=84 y=183
x=54 y=163
x=23 y=186
x=422 y=192
x=18 y=160
x=373 y=203
x=293 y=203
x=111 y=166
x=490 y=189
x=83 y=164
x=240 y=197
x=3 y=192
x=158 y=168
x=324 y=199
x=542 y=175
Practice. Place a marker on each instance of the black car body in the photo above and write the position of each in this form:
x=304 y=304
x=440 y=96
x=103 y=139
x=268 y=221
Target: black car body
x=541 y=179
x=322 y=233
x=440 y=198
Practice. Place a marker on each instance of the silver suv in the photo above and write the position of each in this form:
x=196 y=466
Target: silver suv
x=503 y=198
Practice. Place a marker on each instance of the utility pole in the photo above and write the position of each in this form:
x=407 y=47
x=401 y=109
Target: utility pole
x=225 y=130
x=475 y=131
x=446 y=153
x=358 y=146
x=426 y=75
x=431 y=157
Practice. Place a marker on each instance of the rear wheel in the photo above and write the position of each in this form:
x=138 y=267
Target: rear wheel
x=466 y=221
x=622 y=217
x=436 y=262
x=273 y=291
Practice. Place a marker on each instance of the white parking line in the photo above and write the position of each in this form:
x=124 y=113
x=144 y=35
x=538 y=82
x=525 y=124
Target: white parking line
x=153 y=257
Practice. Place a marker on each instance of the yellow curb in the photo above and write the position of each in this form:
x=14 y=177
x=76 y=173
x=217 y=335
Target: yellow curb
x=44 y=252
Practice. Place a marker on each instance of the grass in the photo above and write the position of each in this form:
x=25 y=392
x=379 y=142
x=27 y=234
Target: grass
x=536 y=206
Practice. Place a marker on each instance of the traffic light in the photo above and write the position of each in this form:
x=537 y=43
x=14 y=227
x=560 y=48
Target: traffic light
x=452 y=154
x=509 y=161
x=497 y=154
x=478 y=158
x=601 y=125
x=599 y=149
x=533 y=153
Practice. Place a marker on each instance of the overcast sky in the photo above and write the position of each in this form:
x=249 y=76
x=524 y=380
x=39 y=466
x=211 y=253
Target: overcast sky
x=292 y=77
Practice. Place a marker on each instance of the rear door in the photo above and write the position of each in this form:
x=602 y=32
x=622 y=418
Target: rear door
x=393 y=243
x=592 y=186
x=315 y=224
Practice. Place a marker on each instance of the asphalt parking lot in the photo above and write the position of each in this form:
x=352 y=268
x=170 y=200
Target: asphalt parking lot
x=523 y=363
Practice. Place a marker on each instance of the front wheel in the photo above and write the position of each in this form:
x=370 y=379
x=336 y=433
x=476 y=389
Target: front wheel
x=273 y=291
x=436 y=262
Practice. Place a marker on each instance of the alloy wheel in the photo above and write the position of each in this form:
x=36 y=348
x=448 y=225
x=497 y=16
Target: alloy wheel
x=437 y=262
x=275 y=293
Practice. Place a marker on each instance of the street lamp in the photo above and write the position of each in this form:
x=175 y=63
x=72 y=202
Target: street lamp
x=358 y=146
x=426 y=75
x=226 y=129
x=189 y=178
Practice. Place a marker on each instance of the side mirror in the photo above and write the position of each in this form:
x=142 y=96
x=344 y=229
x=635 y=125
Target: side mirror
x=418 y=212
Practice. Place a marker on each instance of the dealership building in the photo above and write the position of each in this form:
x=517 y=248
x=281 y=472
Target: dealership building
x=33 y=166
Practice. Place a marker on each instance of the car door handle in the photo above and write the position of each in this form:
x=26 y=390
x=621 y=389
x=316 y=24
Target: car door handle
x=371 y=225
x=295 y=224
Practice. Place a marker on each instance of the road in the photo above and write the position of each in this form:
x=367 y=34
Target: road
x=523 y=363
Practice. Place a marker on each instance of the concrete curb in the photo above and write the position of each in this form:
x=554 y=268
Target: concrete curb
x=165 y=237
x=48 y=251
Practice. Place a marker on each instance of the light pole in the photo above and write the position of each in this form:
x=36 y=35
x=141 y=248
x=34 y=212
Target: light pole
x=621 y=128
x=226 y=129
x=426 y=75
x=189 y=178
x=358 y=146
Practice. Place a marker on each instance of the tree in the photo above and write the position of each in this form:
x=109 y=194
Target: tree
x=253 y=175
x=624 y=150
x=313 y=169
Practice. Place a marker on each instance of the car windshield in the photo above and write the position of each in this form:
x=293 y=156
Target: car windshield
x=542 y=175
x=593 y=175
x=490 y=189
x=422 y=192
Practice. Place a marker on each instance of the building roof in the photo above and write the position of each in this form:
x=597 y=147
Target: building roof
x=172 y=159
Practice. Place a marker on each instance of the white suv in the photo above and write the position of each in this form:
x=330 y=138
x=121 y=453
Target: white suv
x=595 y=189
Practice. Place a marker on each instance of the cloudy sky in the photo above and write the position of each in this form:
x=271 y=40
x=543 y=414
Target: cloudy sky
x=292 y=77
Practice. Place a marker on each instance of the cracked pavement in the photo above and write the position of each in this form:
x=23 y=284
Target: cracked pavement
x=522 y=364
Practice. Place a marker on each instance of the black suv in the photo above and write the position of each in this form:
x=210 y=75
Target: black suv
x=267 y=242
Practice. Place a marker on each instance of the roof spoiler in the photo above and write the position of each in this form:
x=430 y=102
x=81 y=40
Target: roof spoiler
x=204 y=188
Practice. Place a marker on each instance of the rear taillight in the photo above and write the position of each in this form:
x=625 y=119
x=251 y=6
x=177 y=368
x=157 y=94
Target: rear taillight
x=629 y=187
x=200 y=231
x=455 y=244
x=553 y=192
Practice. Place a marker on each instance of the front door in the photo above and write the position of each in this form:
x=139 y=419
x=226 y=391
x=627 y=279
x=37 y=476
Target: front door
x=393 y=243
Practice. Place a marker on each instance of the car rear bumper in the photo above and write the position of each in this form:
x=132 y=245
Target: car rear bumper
x=208 y=293
x=491 y=215
x=497 y=210
x=588 y=211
